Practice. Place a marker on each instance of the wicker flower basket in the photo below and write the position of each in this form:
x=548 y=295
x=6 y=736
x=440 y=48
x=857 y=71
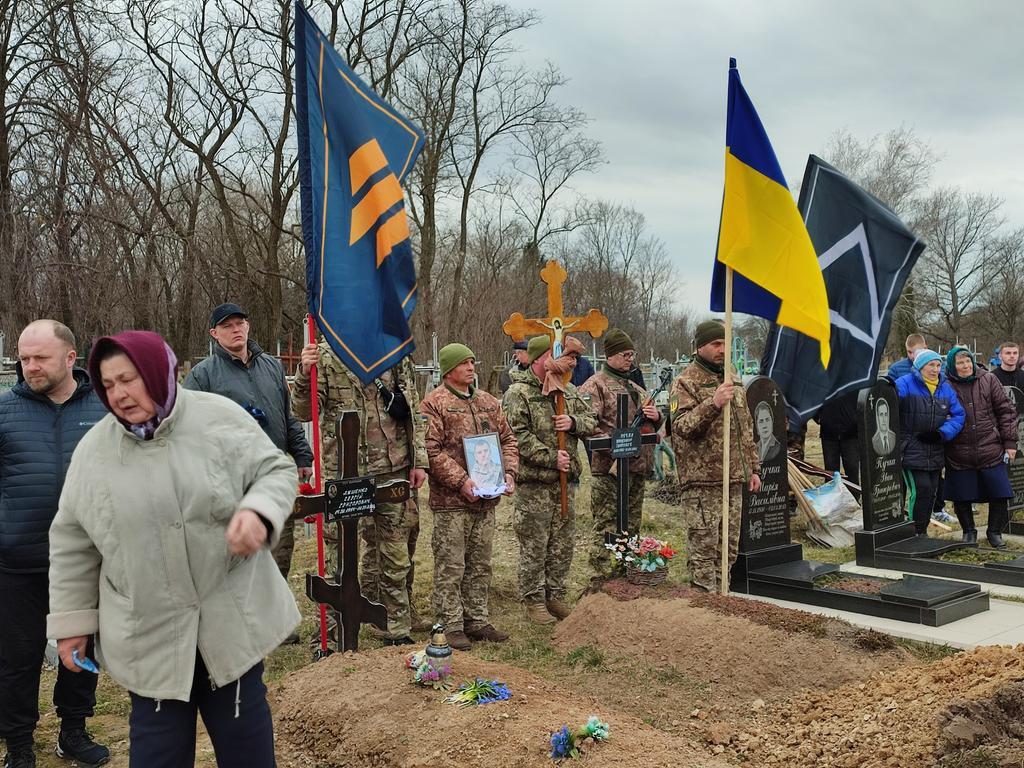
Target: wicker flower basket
x=647 y=578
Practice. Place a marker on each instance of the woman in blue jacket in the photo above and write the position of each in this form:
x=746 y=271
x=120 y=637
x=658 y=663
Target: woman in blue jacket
x=930 y=415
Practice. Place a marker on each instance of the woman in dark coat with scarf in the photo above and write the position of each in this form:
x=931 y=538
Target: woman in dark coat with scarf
x=977 y=458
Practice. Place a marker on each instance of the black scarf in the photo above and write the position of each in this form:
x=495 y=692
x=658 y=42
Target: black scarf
x=717 y=370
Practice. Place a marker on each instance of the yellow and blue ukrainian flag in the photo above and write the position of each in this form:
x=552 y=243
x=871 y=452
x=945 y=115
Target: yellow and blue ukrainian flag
x=761 y=235
x=354 y=151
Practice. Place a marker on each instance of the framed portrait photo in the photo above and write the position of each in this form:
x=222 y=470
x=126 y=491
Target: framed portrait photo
x=484 y=462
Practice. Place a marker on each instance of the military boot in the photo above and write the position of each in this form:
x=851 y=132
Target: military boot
x=557 y=607
x=457 y=639
x=538 y=614
x=419 y=624
x=487 y=633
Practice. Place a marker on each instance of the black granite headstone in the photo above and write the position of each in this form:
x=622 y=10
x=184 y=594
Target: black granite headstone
x=766 y=512
x=878 y=426
x=1017 y=465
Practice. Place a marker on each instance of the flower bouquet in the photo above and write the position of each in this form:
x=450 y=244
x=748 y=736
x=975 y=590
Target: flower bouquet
x=566 y=743
x=644 y=559
x=480 y=691
x=428 y=675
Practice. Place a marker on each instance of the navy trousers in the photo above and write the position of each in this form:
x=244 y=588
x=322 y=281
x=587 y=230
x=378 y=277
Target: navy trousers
x=24 y=603
x=162 y=734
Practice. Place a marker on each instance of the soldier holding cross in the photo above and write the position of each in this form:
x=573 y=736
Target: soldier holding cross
x=545 y=536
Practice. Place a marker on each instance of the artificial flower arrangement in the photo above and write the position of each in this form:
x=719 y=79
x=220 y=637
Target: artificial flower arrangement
x=566 y=743
x=480 y=691
x=429 y=675
x=643 y=554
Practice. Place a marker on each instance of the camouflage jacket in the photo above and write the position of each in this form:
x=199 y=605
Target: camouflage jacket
x=697 y=431
x=449 y=419
x=530 y=414
x=385 y=445
x=603 y=390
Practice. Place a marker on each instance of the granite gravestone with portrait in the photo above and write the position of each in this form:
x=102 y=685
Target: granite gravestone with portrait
x=880 y=469
x=766 y=512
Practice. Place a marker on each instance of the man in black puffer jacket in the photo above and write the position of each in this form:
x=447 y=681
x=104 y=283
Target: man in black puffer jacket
x=41 y=421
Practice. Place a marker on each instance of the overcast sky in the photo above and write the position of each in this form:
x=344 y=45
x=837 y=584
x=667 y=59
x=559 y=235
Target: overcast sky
x=652 y=75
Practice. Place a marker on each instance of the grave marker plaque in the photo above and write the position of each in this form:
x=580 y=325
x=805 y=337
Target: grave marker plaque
x=880 y=468
x=766 y=512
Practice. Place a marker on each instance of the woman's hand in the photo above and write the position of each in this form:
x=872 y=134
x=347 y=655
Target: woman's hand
x=246 y=533
x=67 y=646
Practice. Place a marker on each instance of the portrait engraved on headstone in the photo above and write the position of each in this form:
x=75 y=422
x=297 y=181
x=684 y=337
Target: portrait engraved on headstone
x=765 y=520
x=880 y=467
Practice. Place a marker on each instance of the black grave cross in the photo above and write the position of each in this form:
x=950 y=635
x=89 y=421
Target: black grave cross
x=625 y=442
x=343 y=502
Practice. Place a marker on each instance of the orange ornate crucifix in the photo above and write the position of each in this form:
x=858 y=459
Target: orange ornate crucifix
x=556 y=325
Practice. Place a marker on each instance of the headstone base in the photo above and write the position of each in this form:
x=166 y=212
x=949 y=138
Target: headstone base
x=783 y=574
x=896 y=548
x=1016 y=528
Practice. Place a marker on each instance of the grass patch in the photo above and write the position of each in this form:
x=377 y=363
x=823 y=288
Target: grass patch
x=972 y=556
x=587 y=657
x=926 y=652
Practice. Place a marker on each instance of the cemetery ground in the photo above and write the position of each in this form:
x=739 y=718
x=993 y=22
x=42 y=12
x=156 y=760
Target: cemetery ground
x=683 y=679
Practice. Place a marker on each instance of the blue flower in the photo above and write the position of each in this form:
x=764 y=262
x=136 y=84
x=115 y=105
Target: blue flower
x=562 y=743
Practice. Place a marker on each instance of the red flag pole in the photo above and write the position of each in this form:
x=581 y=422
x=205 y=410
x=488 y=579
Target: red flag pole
x=318 y=484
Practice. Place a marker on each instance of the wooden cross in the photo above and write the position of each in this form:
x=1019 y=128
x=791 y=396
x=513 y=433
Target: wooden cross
x=624 y=443
x=556 y=325
x=345 y=501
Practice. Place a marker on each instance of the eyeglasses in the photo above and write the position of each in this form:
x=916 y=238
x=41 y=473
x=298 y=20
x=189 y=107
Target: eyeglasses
x=257 y=413
x=628 y=355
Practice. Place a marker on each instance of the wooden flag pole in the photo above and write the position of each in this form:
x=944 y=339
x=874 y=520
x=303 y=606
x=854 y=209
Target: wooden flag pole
x=726 y=418
x=318 y=476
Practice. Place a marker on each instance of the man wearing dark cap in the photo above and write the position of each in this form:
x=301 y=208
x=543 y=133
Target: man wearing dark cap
x=603 y=389
x=520 y=363
x=239 y=370
x=456 y=412
x=698 y=439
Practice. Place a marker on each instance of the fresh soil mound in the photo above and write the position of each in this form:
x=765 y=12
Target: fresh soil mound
x=356 y=710
x=742 y=660
x=964 y=710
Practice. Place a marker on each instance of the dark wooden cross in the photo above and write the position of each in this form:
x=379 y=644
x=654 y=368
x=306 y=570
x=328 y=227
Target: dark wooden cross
x=625 y=443
x=343 y=503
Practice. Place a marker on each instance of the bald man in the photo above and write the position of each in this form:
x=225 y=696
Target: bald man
x=41 y=421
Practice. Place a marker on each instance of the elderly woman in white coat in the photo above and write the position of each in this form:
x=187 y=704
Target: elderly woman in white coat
x=160 y=548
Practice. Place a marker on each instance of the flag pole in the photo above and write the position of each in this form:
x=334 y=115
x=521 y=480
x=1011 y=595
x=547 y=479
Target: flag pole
x=726 y=419
x=318 y=476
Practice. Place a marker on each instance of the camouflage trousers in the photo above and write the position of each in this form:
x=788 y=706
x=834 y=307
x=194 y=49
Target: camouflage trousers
x=385 y=560
x=702 y=509
x=369 y=561
x=545 y=540
x=286 y=544
x=462 y=542
x=604 y=509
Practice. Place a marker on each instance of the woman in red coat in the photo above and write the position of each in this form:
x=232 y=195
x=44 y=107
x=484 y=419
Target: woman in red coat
x=977 y=458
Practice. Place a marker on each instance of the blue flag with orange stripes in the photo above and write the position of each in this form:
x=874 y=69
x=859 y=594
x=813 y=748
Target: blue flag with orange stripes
x=354 y=151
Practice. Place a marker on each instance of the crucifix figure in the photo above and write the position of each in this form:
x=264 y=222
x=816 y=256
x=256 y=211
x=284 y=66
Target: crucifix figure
x=343 y=503
x=555 y=325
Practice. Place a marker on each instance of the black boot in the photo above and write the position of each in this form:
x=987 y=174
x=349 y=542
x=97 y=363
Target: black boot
x=995 y=539
x=965 y=516
x=75 y=743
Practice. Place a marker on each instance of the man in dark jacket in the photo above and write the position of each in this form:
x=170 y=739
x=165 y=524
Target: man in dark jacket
x=41 y=421
x=839 y=441
x=1007 y=372
x=239 y=370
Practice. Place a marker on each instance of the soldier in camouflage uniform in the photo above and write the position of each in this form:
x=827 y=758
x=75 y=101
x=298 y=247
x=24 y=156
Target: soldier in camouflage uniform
x=389 y=449
x=463 y=522
x=545 y=538
x=698 y=396
x=603 y=390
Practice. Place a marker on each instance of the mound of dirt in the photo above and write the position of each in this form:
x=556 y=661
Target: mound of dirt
x=360 y=710
x=742 y=661
x=946 y=713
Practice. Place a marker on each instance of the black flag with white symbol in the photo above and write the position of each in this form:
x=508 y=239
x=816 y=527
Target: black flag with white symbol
x=866 y=254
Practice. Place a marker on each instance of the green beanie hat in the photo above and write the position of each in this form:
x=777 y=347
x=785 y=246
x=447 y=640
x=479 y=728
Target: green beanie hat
x=708 y=331
x=451 y=355
x=538 y=346
x=615 y=341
